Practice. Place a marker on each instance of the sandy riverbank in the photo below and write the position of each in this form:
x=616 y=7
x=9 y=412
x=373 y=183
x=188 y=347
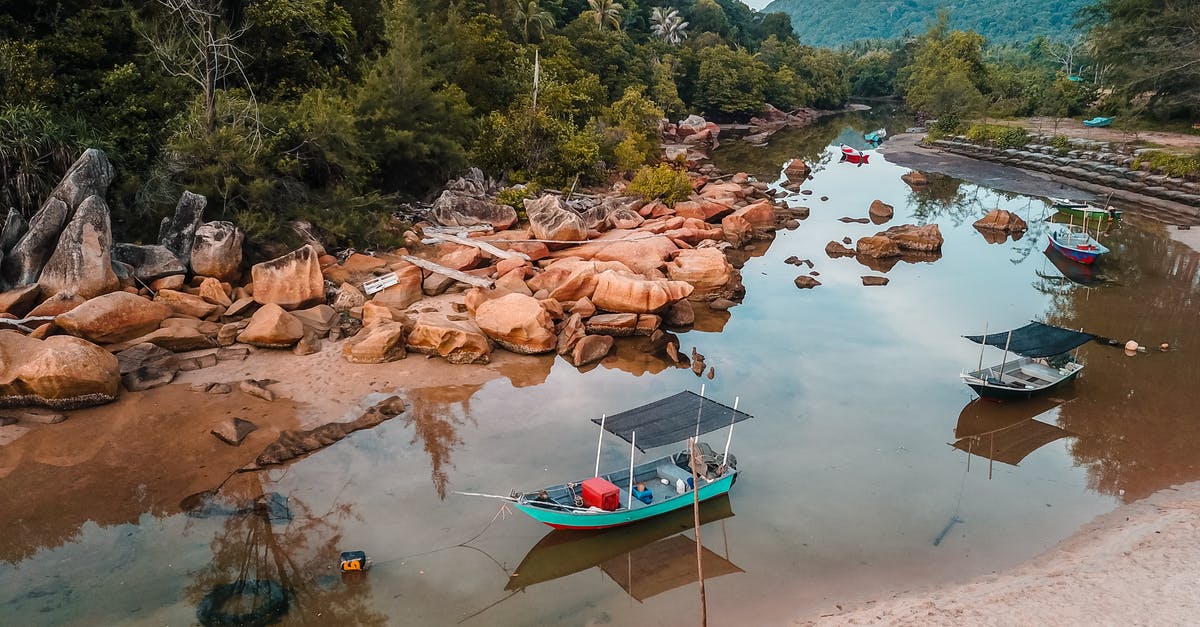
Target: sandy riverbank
x=1133 y=566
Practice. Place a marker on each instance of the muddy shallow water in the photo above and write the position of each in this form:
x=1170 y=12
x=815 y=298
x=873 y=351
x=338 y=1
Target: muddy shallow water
x=850 y=471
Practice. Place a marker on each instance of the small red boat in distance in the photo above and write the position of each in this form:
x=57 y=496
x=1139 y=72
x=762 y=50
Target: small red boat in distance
x=854 y=156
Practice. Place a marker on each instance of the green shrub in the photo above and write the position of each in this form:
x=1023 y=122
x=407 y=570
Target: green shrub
x=1061 y=144
x=661 y=182
x=947 y=124
x=1011 y=137
x=515 y=196
x=1170 y=164
x=979 y=133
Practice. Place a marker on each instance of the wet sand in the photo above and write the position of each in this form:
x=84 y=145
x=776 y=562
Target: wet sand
x=1135 y=565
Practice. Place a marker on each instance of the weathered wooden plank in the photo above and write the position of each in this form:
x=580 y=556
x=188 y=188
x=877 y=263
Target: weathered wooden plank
x=461 y=277
x=481 y=245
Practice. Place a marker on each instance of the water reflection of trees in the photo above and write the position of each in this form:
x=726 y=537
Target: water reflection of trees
x=435 y=415
x=1135 y=416
x=300 y=553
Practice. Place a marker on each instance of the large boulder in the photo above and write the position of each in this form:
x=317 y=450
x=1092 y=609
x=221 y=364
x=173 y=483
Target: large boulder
x=706 y=269
x=11 y=231
x=148 y=262
x=518 y=323
x=217 y=250
x=877 y=247
x=567 y=279
x=89 y=176
x=57 y=304
x=459 y=341
x=736 y=229
x=622 y=292
x=1001 y=220
x=113 y=317
x=82 y=261
x=925 y=238
x=549 y=220
x=178 y=232
x=272 y=327
x=760 y=215
x=180 y=335
x=639 y=251
x=62 y=372
x=293 y=281
x=376 y=344
x=455 y=209
x=187 y=304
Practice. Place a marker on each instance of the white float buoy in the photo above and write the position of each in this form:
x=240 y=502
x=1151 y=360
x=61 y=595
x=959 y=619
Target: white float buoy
x=1131 y=345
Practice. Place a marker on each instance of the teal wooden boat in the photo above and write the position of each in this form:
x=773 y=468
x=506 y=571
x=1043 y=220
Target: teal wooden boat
x=1098 y=121
x=650 y=489
x=876 y=136
x=1084 y=211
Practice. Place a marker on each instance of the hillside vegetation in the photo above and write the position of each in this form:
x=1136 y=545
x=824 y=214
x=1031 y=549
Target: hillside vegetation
x=836 y=22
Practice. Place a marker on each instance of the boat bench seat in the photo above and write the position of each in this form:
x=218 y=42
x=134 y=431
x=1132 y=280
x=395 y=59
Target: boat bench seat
x=673 y=473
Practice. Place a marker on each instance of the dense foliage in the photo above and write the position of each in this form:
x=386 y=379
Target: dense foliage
x=836 y=22
x=334 y=111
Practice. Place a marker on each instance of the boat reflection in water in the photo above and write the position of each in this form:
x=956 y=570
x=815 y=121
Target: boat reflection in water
x=645 y=559
x=1006 y=432
x=1077 y=273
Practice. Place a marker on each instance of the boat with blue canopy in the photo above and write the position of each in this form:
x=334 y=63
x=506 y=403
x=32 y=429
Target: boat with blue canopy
x=1045 y=361
x=652 y=488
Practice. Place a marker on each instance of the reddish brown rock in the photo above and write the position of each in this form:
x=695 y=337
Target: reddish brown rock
x=874 y=280
x=806 y=282
x=458 y=341
x=681 y=314
x=572 y=331
x=584 y=307
x=915 y=179
x=293 y=281
x=925 y=238
x=379 y=343
x=21 y=300
x=760 y=215
x=615 y=324
x=1001 y=220
x=61 y=372
x=518 y=323
x=272 y=327
x=348 y=297
x=621 y=292
x=736 y=230
x=113 y=317
x=880 y=211
x=186 y=304
x=405 y=292
x=211 y=291
x=797 y=169
x=706 y=269
x=590 y=349
x=173 y=282
x=217 y=251
x=837 y=249
x=877 y=246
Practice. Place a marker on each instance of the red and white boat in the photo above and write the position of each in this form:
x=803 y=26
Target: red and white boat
x=854 y=156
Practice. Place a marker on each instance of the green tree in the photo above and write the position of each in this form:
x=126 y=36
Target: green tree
x=730 y=83
x=529 y=17
x=947 y=72
x=708 y=16
x=605 y=13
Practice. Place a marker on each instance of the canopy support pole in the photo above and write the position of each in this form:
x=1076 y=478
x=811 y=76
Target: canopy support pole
x=699 y=411
x=725 y=456
x=982 y=345
x=632 y=450
x=1005 y=360
x=599 y=443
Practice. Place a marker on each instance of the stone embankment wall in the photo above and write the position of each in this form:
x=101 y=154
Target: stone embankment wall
x=1094 y=164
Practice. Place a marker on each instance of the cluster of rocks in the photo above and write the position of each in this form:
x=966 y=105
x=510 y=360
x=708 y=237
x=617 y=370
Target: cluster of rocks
x=881 y=251
x=692 y=138
x=998 y=224
x=66 y=289
x=79 y=324
x=771 y=120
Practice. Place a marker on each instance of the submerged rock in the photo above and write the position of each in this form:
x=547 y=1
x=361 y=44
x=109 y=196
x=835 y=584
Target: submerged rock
x=1001 y=220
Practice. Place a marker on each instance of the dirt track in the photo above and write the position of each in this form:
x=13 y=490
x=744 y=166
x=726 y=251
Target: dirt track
x=1074 y=128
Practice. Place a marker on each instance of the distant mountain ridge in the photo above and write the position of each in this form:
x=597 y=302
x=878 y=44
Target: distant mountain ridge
x=836 y=22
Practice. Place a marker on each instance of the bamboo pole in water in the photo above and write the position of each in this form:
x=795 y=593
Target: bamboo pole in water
x=694 y=453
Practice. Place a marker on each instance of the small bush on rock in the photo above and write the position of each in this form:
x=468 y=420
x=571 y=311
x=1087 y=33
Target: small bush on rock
x=661 y=182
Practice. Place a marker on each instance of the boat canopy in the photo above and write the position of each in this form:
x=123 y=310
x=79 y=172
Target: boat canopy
x=672 y=419
x=1035 y=340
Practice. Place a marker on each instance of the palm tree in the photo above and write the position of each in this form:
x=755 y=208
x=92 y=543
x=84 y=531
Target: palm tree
x=529 y=15
x=605 y=12
x=666 y=23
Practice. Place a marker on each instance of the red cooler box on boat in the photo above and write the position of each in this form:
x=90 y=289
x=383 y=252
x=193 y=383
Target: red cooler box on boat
x=600 y=493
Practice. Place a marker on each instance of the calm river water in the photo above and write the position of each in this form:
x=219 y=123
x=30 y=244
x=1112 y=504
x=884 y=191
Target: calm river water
x=852 y=487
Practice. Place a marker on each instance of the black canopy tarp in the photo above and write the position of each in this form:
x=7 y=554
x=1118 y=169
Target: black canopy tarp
x=1035 y=340
x=672 y=419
